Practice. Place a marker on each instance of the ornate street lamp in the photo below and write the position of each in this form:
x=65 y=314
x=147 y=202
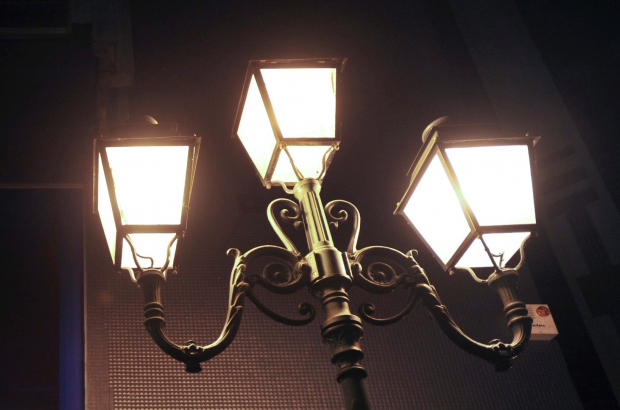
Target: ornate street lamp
x=287 y=122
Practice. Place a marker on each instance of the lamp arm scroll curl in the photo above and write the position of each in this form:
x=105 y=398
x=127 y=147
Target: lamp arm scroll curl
x=345 y=210
x=381 y=277
x=190 y=353
x=288 y=274
x=286 y=216
x=496 y=352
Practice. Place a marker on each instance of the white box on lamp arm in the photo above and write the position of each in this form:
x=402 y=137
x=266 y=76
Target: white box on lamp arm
x=544 y=327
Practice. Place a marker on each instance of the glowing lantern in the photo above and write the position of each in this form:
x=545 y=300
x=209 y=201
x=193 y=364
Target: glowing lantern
x=471 y=194
x=142 y=192
x=287 y=117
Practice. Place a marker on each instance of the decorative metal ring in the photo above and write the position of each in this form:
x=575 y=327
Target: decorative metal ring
x=381 y=273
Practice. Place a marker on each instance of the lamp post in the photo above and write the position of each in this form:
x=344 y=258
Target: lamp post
x=288 y=123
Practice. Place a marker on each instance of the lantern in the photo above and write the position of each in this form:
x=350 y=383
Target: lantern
x=287 y=118
x=142 y=193
x=471 y=196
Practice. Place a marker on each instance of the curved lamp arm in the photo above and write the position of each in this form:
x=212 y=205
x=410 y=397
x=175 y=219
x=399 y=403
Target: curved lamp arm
x=390 y=269
x=241 y=284
x=151 y=281
x=496 y=352
x=394 y=269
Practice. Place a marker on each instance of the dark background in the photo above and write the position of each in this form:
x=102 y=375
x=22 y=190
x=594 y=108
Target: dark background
x=408 y=65
x=41 y=323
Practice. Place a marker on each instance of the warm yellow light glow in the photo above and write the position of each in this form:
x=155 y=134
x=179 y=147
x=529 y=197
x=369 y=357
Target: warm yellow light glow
x=304 y=100
x=496 y=183
x=498 y=243
x=435 y=211
x=154 y=245
x=104 y=207
x=255 y=131
x=149 y=183
x=308 y=160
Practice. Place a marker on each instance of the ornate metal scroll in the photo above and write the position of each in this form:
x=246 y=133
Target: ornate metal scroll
x=286 y=275
x=381 y=276
x=295 y=219
x=393 y=269
x=303 y=308
x=347 y=208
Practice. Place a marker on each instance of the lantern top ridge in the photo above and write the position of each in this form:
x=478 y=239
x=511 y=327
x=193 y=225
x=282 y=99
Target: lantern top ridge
x=332 y=62
x=142 y=129
x=150 y=141
x=456 y=133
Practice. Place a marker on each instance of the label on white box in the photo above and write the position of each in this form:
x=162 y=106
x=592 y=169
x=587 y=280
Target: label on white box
x=543 y=327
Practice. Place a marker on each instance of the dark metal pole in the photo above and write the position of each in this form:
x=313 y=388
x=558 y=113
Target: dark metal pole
x=331 y=277
x=342 y=332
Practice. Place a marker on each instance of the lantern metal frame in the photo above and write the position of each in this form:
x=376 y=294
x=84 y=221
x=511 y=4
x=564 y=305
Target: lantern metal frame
x=99 y=152
x=437 y=139
x=254 y=70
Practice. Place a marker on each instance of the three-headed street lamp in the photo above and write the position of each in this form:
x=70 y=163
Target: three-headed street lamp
x=470 y=200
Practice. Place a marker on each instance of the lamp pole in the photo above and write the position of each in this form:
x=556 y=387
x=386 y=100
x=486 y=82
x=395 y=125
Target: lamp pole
x=331 y=278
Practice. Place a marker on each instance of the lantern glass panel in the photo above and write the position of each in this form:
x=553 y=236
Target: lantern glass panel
x=435 y=211
x=149 y=183
x=499 y=243
x=153 y=245
x=308 y=160
x=303 y=100
x=104 y=207
x=496 y=182
x=255 y=131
